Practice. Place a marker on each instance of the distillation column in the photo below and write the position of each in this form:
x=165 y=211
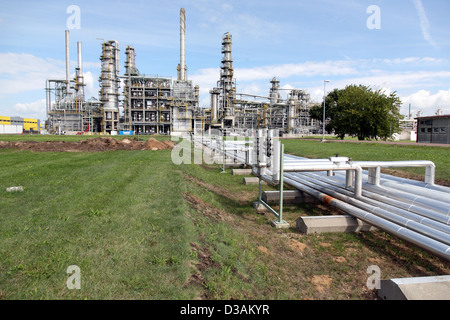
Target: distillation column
x=228 y=90
x=274 y=93
x=109 y=86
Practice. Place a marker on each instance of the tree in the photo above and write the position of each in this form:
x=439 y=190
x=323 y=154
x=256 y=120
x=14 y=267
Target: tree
x=360 y=112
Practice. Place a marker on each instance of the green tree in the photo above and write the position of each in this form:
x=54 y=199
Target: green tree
x=360 y=112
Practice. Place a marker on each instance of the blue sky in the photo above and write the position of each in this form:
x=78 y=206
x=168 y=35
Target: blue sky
x=302 y=43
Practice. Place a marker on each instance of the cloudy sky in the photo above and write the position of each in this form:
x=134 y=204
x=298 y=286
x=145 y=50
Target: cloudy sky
x=401 y=46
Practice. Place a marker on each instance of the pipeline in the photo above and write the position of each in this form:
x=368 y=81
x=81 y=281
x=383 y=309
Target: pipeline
x=438 y=248
x=417 y=212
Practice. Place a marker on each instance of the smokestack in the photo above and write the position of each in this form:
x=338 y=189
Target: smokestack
x=67 y=61
x=79 y=56
x=182 y=34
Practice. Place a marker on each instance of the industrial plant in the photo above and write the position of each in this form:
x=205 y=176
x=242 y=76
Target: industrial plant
x=161 y=105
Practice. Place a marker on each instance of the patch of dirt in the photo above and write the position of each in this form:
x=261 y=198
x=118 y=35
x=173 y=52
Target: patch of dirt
x=321 y=283
x=340 y=259
x=263 y=250
x=297 y=245
x=202 y=263
x=88 y=145
x=205 y=208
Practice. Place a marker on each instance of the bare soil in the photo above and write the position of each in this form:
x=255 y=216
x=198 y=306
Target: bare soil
x=88 y=145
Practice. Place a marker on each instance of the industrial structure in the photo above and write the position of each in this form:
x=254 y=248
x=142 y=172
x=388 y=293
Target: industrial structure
x=151 y=104
x=434 y=129
x=160 y=105
x=67 y=109
x=415 y=211
x=232 y=110
x=19 y=125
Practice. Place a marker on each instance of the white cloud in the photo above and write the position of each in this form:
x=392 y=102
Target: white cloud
x=35 y=109
x=427 y=102
x=306 y=69
x=424 y=23
x=91 y=89
x=25 y=72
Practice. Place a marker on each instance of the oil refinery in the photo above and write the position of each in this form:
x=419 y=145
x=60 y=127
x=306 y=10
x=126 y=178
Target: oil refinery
x=161 y=105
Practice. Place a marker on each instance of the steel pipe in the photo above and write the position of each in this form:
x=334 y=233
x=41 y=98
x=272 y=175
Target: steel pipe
x=438 y=248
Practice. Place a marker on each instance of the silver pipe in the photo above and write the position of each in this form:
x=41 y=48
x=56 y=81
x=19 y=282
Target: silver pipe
x=436 y=247
x=415 y=183
x=439 y=206
x=439 y=201
x=79 y=57
x=67 y=61
x=431 y=194
x=434 y=229
x=182 y=40
x=393 y=203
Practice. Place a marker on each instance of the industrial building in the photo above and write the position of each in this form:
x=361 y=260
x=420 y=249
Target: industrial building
x=151 y=104
x=19 y=125
x=67 y=110
x=434 y=129
x=232 y=110
x=160 y=105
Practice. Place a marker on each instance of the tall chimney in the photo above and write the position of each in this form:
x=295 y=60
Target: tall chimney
x=79 y=56
x=182 y=76
x=67 y=61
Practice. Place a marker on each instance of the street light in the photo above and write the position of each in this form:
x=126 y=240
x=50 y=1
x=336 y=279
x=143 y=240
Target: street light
x=323 y=123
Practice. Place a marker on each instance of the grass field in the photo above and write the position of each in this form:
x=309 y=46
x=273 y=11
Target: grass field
x=140 y=227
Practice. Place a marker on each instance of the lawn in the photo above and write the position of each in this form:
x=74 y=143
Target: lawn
x=140 y=227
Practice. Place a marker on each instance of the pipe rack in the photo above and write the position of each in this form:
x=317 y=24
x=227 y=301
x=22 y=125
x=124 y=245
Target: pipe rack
x=417 y=212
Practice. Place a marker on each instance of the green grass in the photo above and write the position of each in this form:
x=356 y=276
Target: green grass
x=125 y=218
x=121 y=217
x=107 y=212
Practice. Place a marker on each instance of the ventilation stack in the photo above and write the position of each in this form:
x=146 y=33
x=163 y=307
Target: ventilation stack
x=182 y=66
x=67 y=64
x=79 y=78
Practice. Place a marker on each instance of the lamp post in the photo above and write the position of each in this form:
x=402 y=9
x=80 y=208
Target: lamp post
x=323 y=123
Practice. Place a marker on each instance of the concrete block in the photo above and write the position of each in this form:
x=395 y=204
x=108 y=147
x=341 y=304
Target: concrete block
x=322 y=224
x=253 y=180
x=239 y=172
x=289 y=197
x=260 y=208
x=419 y=288
x=280 y=225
